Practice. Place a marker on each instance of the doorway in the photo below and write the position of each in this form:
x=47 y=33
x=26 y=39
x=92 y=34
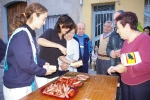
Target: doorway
x=18 y=7
x=101 y=14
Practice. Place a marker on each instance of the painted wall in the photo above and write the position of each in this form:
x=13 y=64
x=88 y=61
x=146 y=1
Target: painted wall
x=73 y=9
x=70 y=7
x=55 y=7
x=136 y=6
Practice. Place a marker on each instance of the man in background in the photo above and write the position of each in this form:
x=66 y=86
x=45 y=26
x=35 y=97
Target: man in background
x=84 y=47
x=114 y=46
x=103 y=61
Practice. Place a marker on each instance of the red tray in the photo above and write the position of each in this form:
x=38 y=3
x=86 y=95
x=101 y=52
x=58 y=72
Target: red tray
x=76 y=91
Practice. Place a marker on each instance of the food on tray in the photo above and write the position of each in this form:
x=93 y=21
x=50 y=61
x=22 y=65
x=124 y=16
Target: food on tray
x=82 y=77
x=70 y=81
x=70 y=74
x=78 y=84
x=71 y=92
x=60 y=91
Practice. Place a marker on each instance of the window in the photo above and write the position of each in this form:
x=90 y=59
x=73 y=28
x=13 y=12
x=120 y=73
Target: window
x=147 y=13
x=50 y=22
x=101 y=14
x=147 y=5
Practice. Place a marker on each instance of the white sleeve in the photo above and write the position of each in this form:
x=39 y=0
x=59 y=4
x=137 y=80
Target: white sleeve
x=59 y=63
x=76 y=50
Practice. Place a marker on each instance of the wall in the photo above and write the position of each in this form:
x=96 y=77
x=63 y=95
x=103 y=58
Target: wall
x=3 y=17
x=55 y=7
x=136 y=6
x=70 y=7
x=73 y=9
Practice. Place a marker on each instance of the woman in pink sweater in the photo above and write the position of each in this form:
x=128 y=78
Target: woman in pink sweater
x=135 y=59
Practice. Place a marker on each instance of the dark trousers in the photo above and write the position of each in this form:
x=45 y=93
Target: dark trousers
x=135 y=92
x=118 y=94
x=83 y=68
x=102 y=66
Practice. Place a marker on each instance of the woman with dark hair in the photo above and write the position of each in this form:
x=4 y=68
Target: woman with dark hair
x=53 y=46
x=94 y=57
x=147 y=30
x=135 y=63
x=21 y=54
x=72 y=51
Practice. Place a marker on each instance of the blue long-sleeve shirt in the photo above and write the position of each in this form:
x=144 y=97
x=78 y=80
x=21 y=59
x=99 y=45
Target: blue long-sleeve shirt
x=21 y=65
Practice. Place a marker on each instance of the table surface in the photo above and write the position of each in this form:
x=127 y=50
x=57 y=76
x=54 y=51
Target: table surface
x=97 y=87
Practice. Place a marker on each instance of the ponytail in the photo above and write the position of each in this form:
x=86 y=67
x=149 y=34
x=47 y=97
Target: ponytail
x=18 y=21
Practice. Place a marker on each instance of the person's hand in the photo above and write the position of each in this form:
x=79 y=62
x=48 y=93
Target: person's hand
x=62 y=49
x=113 y=54
x=117 y=53
x=48 y=72
x=64 y=66
x=76 y=64
x=49 y=68
x=111 y=70
x=47 y=64
x=119 y=68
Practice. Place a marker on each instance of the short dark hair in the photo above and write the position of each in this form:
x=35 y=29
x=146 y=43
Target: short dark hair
x=65 y=20
x=73 y=26
x=147 y=27
x=130 y=18
x=120 y=11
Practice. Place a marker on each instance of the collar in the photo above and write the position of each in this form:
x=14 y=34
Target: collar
x=57 y=35
x=30 y=30
x=84 y=36
x=106 y=35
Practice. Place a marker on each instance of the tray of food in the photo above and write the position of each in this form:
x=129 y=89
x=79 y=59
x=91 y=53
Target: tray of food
x=82 y=77
x=70 y=81
x=79 y=76
x=61 y=91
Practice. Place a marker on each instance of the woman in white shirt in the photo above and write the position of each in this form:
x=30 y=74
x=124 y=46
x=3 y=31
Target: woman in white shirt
x=72 y=52
x=94 y=57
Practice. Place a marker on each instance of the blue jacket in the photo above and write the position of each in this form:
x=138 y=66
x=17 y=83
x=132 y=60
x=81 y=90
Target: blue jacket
x=21 y=65
x=87 y=48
